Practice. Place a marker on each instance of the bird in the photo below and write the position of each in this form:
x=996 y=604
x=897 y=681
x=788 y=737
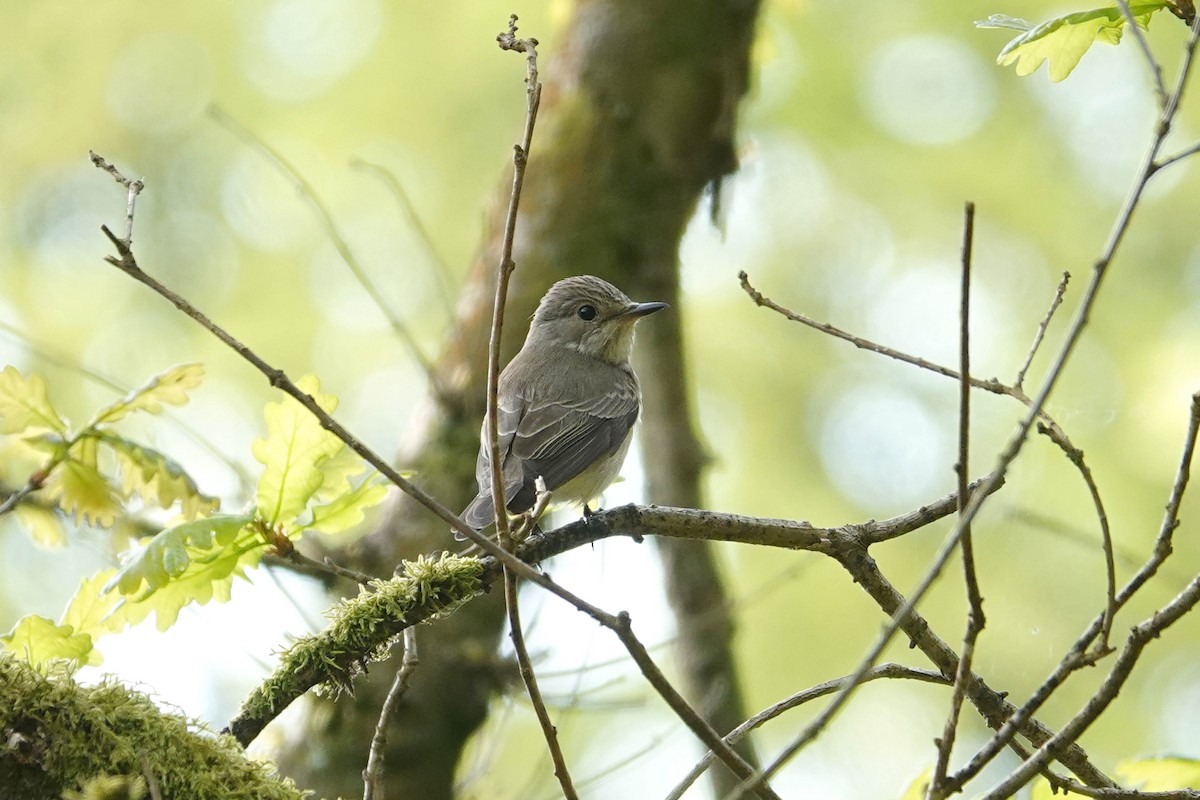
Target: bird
x=567 y=402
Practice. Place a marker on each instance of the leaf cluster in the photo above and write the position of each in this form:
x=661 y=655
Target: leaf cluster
x=310 y=482
x=1062 y=41
x=91 y=472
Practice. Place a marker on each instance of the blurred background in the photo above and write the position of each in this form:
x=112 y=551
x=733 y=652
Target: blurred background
x=865 y=131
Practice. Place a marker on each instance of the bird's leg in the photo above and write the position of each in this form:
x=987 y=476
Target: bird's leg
x=524 y=527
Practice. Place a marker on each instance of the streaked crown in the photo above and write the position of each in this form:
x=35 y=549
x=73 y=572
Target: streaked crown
x=565 y=298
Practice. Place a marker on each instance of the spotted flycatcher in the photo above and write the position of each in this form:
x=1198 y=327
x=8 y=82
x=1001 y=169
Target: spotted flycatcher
x=567 y=402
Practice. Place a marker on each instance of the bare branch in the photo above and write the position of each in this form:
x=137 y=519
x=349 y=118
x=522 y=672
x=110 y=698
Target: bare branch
x=1041 y=330
x=373 y=773
x=285 y=550
x=1076 y=658
x=1180 y=156
x=525 y=667
x=975 y=616
x=132 y=187
x=1110 y=568
x=1156 y=73
x=509 y=41
x=442 y=273
x=1142 y=635
x=309 y=193
x=1075 y=787
x=36 y=481
x=800 y=698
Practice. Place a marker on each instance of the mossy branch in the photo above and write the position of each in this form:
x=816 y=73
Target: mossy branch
x=58 y=737
x=361 y=631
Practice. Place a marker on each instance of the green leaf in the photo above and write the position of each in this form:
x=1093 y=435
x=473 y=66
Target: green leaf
x=38 y=640
x=44 y=526
x=336 y=473
x=90 y=609
x=347 y=510
x=25 y=404
x=169 y=553
x=170 y=387
x=1160 y=774
x=295 y=447
x=190 y=563
x=1063 y=40
x=157 y=479
x=82 y=492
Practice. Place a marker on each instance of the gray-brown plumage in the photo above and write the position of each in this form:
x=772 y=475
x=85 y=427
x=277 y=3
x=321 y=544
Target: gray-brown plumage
x=567 y=402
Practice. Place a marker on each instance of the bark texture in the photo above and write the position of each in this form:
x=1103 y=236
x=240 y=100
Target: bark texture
x=637 y=118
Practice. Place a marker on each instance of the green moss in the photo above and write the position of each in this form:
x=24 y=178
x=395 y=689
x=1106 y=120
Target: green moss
x=362 y=629
x=57 y=737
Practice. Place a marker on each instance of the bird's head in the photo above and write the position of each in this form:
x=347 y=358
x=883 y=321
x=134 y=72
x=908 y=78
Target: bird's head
x=590 y=315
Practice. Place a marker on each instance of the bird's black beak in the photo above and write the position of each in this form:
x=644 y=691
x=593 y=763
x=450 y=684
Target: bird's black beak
x=642 y=309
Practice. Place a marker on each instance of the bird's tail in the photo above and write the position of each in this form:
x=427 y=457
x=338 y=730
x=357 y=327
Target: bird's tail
x=478 y=514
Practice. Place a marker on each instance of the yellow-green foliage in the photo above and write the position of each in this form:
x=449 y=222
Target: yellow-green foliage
x=1062 y=41
x=58 y=737
x=310 y=482
x=72 y=473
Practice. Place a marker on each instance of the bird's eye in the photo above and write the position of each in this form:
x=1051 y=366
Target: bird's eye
x=587 y=312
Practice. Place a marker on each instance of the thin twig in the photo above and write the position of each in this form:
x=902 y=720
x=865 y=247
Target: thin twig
x=525 y=667
x=309 y=193
x=750 y=777
x=975 y=616
x=132 y=187
x=1110 y=687
x=442 y=273
x=1156 y=73
x=992 y=385
x=796 y=700
x=1019 y=383
x=1017 y=441
x=1180 y=156
x=285 y=549
x=1110 y=567
x=509 y=41
x=1076 y=658
x=35 y=482
x=1054 y=430
x=327 y=566
x=373 y=773
x=1075 y=787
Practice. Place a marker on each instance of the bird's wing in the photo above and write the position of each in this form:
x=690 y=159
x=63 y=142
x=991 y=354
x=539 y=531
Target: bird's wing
x=549 y=431
x=559 y=437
